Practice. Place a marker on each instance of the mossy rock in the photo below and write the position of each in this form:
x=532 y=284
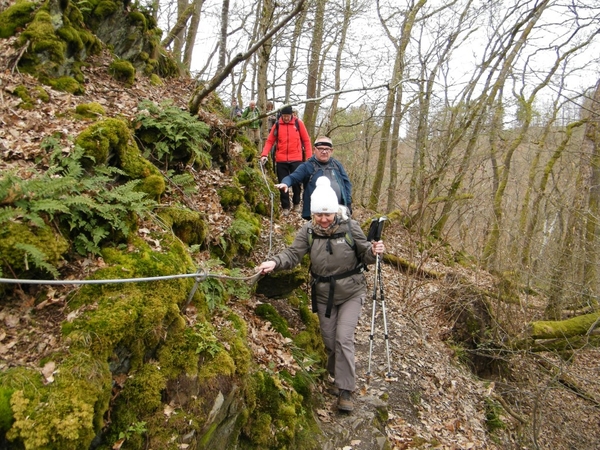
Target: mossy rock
x=65 y=84
x=123 y=71
x=277 y=414
x=16 y=237
x=281 y=284
x=15 y=17
x=240 y=238
x=268 y=312
x=230 y=197
x=155 y=80
x=111 y=141
x=79 y=395
x=26 y=100
x=91 y=110
x=255 y=190
x=189 y=226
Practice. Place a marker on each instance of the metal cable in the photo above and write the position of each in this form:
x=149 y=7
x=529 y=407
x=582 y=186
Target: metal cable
x=197 y=275
x=271 y=196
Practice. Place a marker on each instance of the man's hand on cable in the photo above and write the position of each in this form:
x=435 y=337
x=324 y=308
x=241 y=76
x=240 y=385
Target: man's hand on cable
x=263 y=160
x=378 y=248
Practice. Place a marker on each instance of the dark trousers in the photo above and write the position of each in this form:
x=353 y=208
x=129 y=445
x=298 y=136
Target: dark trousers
x=283 y=170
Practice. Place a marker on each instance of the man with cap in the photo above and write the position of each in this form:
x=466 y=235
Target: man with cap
x=289 y=141
x=320 y=164
x=338 y=252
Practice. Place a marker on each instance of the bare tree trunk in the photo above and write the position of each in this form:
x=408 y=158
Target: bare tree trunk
x=191 y=34
x=179 y=28
x=401 y=44
x=338 y=61
x=223 y=34
x=310 y=109
x=264 y=54
x=291 y=70
x=591 y=146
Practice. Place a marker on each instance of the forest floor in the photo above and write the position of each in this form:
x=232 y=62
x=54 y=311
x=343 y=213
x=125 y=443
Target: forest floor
x=435 y=392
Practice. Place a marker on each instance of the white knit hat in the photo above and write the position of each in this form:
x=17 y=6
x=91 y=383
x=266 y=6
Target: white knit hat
x=323 y=198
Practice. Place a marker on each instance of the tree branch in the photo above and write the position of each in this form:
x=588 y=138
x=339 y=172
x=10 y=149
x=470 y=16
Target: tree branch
x=202 y=92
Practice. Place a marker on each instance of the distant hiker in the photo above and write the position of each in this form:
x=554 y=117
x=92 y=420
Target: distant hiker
x=252 y=112
x=338 y=251
x=290 y=143
x=272 y=118
x=321 y=163
x=236 y=111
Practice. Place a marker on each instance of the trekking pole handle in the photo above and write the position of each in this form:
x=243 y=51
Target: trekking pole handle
x=379 y=229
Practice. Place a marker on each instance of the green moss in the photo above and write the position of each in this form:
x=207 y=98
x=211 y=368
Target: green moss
x=221 y=364
x=6 y=415
x=105 y=8
x=90 y=110
x=277 y=416
x=230 y=197
x=493 y=420
x=123 y=71
x=155 y=80
x=72 y=38
x=44 y=40
x=143 y=389
x=14 y=256
x=66 y=84
x=266 y=311
x=179 y=353
x=15 y=17
x=26 y=100
x=189 y=226
x=240 y=238
x=153 y=185
x=64 y=414
x=253 y=185
x=112 y=137
x=138 y=19
x=42 y=94
x=167 y=67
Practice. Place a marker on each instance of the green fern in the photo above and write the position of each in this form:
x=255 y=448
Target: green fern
x=171 y=135
x=38 y=258
x=90 y=206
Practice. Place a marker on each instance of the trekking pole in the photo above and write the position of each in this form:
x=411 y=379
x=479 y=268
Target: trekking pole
x=375 y=235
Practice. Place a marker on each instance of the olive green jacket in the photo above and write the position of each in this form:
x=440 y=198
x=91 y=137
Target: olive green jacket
x=343 y=258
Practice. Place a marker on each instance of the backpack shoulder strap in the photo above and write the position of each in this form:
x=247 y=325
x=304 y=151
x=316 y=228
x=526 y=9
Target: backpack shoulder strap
x=347 y=235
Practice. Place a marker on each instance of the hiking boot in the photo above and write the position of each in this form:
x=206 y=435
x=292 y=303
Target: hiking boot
x=331 y=387
x=345 y=402
x=286 y=212
x=295 y=207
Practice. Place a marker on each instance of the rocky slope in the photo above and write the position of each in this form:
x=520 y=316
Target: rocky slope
x=430 y=395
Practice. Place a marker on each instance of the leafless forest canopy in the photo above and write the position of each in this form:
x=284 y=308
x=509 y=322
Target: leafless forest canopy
x=475 y=120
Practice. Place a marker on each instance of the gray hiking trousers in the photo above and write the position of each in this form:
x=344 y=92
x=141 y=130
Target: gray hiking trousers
x=337 y=332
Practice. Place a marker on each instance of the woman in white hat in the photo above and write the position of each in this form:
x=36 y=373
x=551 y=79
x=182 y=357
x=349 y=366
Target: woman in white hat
x=338 y=252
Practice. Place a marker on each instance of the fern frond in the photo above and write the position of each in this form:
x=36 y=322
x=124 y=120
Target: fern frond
x=37 y=257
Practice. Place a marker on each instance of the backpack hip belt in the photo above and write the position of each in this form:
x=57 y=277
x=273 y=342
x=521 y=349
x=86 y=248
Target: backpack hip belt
x=331 y=280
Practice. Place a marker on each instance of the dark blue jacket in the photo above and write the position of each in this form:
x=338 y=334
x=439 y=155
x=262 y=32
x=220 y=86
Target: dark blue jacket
x=307 y=174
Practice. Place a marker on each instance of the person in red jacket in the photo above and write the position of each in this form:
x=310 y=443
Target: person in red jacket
x=289 y=141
